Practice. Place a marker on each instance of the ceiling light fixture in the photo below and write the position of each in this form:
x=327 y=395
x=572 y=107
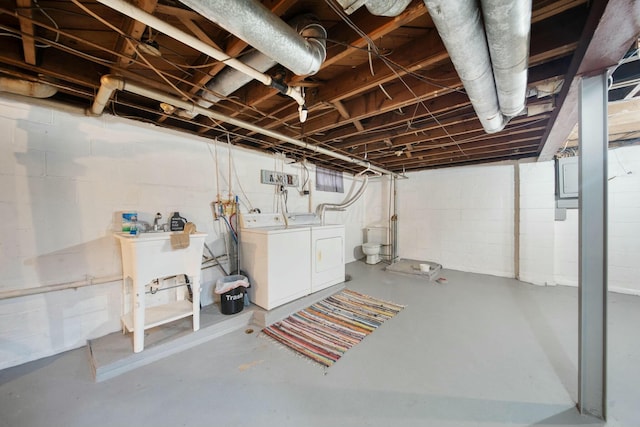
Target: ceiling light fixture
x=167 y=108
x=151 y=48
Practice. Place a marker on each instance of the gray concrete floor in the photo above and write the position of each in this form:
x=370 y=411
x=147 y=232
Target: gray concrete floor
x=476 y=351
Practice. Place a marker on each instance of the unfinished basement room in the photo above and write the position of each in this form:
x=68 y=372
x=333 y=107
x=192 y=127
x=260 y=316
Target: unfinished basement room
x=307 y=213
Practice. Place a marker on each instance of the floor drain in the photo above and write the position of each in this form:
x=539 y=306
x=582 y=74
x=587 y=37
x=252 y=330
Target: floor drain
x=248 y=331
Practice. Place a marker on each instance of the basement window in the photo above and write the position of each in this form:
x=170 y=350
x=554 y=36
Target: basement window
x=329 y=180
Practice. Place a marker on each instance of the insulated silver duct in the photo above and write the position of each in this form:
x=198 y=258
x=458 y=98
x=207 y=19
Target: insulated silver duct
x=229 y=80
x=376 y=7
x=348 y=201
x=459 y=23
x=507 y=24
x=249 y=20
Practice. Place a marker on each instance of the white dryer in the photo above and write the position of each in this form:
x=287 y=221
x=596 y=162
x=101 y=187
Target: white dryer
x=327 y=250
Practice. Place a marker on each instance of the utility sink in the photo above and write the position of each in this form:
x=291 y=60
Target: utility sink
x=148 y=256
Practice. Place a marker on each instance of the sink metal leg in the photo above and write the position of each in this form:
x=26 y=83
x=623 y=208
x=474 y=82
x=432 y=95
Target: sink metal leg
x=138 y=319
x=196 y=301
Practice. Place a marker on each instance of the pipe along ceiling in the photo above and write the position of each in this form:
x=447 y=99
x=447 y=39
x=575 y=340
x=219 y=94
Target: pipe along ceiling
x=487 y=40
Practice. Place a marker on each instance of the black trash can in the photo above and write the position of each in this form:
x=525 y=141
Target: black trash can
x=232 y=302
x=232 y=290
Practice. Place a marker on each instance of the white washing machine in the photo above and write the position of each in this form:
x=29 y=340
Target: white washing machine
x=276 y=259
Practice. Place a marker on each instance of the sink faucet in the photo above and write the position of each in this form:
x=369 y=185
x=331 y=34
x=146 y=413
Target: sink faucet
x=155 y=221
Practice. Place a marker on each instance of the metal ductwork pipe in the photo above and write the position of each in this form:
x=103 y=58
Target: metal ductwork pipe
x=300 y=50
x=459 y=23
x=229 y=80
x=26 y=88
x=508 y=24
x=140 y=15
x=348 y=201
x=376 y=7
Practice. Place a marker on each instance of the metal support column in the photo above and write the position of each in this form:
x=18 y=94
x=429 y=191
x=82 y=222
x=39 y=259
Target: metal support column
x=592 y=371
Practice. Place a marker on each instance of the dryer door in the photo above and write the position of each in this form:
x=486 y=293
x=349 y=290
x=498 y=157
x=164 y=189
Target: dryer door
x=327 y=265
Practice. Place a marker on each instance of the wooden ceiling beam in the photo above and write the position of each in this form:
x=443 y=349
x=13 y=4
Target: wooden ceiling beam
x=406 y=56
x=463 y=152
x=438 y=105
x=374 y=26
x=27 y=30
x=457 y=162
x=462 y=137
x=375 y=102
x=454 y=103
x=55 y=64
x=234 y=47
x=133 y=30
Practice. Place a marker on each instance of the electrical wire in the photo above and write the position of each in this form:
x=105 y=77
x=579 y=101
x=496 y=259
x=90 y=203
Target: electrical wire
x=235 y=172
x=215 y=149
x=230 y=193
x=55 y=24
x=417 y=75
x=231 y=230
x=362 y=34
x=131 y=44
x=20 y=38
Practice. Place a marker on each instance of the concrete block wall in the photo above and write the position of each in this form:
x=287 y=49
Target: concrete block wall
x=624 y=219
x=461 y=218
x=549 y=248
x=537 y=226
x=64 y=179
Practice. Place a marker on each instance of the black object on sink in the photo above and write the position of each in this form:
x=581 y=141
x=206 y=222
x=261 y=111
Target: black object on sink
x=177 y=222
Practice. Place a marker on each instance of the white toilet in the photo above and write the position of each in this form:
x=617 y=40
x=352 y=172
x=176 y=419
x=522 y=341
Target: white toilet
x=376 y=236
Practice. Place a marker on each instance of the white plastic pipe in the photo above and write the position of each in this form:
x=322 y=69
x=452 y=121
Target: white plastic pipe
x=16 y=293
x=122 y=84
x=107 y=86
x=146 y=18
x=26 y=88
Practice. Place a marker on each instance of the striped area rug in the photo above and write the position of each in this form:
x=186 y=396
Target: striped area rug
x=324 y=331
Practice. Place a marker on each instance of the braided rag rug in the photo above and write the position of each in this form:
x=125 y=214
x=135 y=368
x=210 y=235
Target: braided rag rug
x=324 y=331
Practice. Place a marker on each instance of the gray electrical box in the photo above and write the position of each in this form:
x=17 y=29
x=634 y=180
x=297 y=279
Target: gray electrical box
x=567 y=184
x=568 y=177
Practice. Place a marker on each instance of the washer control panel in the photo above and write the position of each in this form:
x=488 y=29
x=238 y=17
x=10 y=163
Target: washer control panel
x=261 y=220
